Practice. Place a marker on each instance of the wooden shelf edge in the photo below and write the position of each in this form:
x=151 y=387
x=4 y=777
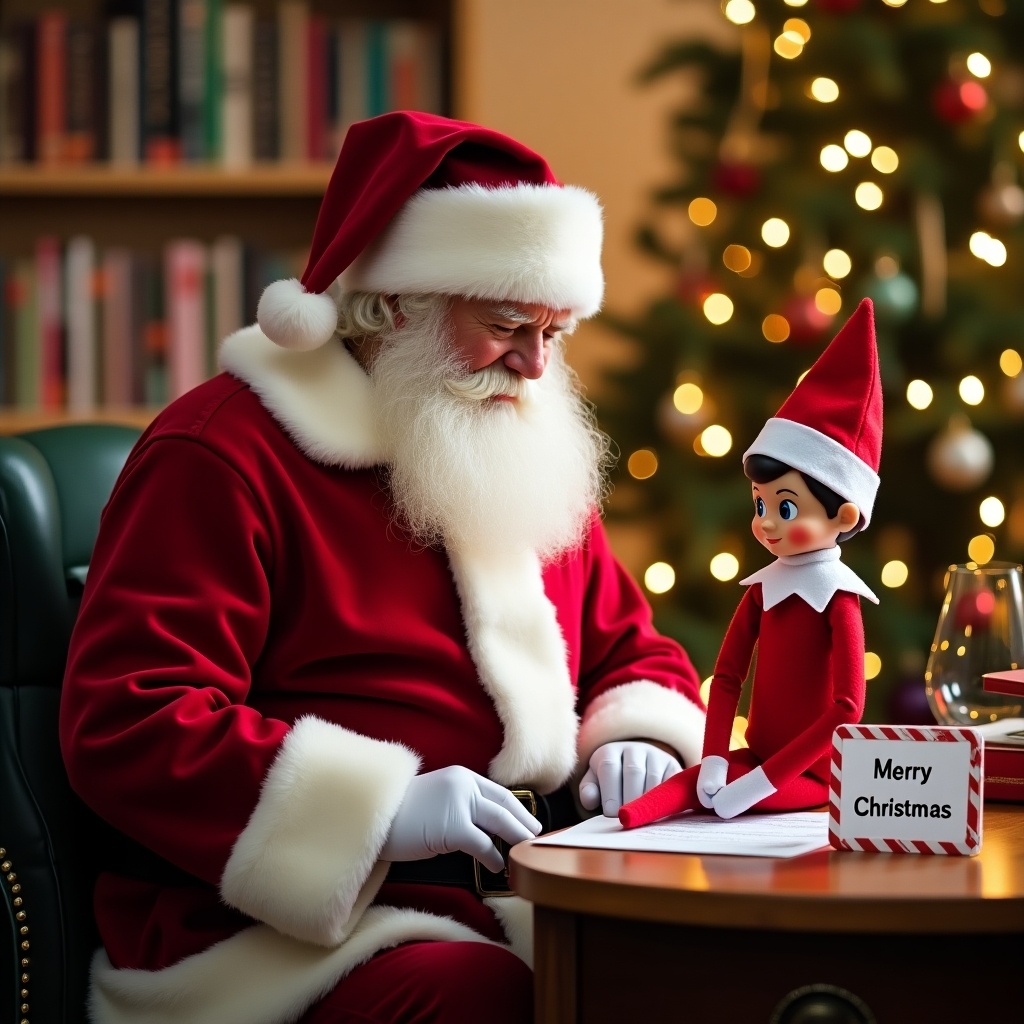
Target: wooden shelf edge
x=15 y=421
x=279 y=179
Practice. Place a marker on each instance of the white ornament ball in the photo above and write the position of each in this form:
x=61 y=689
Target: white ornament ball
x=960 y=458
x=1003 y=204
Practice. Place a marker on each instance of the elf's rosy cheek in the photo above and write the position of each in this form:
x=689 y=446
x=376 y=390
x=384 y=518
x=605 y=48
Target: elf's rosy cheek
x=799 y=535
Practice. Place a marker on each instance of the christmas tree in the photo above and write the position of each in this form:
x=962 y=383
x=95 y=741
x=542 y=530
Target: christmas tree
x=844 y=149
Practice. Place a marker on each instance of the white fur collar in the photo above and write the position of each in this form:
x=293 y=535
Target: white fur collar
x=324 y=401
x=815 y=576
x=322 y=398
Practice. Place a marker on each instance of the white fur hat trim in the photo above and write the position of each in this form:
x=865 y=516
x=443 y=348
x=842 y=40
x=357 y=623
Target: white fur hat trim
x=520 y=243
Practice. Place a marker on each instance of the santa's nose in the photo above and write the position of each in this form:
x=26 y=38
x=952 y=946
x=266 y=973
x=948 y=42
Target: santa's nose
x=528 y=354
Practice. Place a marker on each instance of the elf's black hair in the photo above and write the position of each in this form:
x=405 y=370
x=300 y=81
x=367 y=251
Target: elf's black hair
x=763 y=469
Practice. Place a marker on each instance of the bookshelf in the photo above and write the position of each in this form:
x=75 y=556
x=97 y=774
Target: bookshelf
x=265 y=202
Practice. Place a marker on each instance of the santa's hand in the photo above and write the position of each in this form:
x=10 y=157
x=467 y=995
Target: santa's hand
x=711 y=778
x=741 y=794
x=455 y=809
x=622 y=771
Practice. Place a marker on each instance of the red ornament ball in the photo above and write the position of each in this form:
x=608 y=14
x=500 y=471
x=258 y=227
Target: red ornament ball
x=807 y=323
x=974 y=610
x=694 y=286
x=738 y=180
x=958 y=102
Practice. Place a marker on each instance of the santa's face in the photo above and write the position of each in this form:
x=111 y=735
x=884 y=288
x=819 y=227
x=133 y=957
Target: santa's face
x=490 y=445
x=789 y=519
x=516 y=335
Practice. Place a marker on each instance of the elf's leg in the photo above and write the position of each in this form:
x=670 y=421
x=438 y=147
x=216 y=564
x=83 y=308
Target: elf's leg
x=800 y=794
x=676 y=794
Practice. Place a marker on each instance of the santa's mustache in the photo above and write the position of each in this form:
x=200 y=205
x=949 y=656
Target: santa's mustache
x=492 y=381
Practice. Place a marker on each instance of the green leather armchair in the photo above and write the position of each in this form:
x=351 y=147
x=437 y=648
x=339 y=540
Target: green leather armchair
x=53 y=484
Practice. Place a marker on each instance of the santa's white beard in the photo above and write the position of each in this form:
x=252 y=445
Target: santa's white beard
x=468 y=472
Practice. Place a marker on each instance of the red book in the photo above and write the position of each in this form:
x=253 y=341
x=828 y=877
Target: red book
x=1010 y=681
x=317 y=127
x=51 y=86
x=1004 y=772
x=49 y=284
x=117 y=320
x=403 y=48
x=185 y=297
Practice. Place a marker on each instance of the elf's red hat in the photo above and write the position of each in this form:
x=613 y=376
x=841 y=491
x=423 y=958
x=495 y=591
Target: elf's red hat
x=423 y=204
x=830 y=427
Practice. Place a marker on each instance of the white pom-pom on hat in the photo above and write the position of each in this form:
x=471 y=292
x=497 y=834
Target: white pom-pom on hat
x=294 y=318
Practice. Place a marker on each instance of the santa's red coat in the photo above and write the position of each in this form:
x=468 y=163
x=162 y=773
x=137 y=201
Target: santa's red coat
x=263 y=661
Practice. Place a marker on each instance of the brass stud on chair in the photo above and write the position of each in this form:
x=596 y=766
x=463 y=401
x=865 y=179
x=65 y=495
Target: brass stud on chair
x=21 y=916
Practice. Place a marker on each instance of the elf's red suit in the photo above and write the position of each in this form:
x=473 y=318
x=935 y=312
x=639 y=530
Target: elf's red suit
x=263 y=757
x=809 y=678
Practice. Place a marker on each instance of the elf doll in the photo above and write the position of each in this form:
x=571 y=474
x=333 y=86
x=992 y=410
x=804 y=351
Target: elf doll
x=814 y=475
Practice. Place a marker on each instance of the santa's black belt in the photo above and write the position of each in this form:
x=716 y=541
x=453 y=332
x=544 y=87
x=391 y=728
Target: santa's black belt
x=554 y=810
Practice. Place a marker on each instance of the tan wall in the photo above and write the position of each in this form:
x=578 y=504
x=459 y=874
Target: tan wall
x=559 y=75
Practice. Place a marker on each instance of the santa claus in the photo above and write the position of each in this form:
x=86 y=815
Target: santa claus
x=352 y=616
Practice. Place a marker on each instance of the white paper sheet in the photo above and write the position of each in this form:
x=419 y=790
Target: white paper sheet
x=750 y=835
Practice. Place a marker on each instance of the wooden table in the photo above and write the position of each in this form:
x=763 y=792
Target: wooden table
x=830 y=937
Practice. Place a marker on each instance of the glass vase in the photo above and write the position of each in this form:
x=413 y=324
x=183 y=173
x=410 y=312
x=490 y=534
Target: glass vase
x=980 y=629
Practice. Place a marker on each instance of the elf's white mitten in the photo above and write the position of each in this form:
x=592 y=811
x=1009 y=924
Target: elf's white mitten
x=711 y=778
x=741 y=794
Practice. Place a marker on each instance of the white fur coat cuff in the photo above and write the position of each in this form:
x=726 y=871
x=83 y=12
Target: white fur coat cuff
x=306 y=862
x=643 y=710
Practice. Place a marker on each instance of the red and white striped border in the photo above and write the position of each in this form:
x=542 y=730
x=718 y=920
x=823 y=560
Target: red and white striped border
x=971 y=843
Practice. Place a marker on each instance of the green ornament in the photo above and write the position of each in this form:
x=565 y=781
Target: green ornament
x=895 y=296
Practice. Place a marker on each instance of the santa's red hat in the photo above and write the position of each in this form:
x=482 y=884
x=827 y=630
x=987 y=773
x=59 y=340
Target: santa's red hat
x=421 y=204
x=830 y=427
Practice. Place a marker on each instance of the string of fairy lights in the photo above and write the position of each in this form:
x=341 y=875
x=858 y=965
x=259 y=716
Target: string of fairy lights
x=867 y=165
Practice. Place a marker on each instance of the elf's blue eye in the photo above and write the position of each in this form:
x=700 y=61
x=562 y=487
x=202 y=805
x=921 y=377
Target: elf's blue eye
x=759 y=506
x=788 y=509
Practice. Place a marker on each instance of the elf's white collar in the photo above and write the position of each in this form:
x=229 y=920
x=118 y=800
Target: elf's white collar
x=815 y=576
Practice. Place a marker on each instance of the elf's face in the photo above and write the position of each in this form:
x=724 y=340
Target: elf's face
x=789 y=519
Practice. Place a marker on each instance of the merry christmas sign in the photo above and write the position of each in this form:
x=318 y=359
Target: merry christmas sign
x=906 y=789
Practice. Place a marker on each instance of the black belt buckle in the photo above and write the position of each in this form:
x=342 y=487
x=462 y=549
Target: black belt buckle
x=496 y=883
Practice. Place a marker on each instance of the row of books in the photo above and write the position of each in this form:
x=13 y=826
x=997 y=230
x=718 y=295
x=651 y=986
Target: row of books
x=83 y=327
x=206 y=81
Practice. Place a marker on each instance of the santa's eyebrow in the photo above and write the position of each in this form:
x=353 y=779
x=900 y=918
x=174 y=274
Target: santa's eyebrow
x=520 y=316
x=513 y=313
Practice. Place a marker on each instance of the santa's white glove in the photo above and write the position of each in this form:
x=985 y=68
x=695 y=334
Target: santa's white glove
x=455 y=809
x=711 y=778
x=741 y=794
x=622 y=771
